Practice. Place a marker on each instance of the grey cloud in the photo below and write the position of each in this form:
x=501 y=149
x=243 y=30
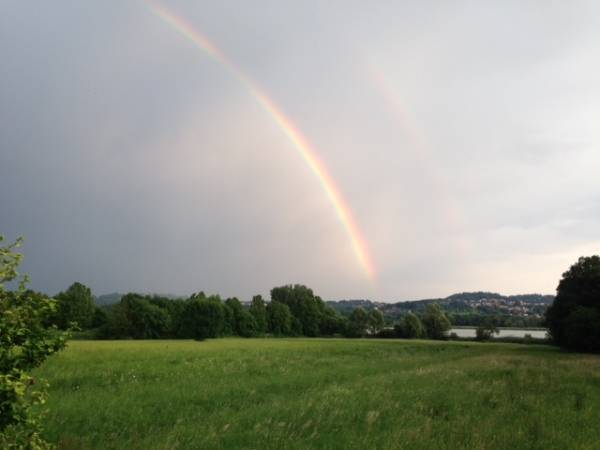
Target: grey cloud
x=133 y=161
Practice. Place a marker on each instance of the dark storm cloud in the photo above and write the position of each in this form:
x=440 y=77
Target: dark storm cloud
x=131 y=160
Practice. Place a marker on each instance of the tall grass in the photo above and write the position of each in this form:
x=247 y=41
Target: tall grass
x=310 y=393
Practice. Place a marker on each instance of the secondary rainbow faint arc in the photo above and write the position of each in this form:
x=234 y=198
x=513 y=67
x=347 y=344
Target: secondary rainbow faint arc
x=299 y=142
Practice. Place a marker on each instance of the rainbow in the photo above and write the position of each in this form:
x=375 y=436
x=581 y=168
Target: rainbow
x=298 y=141
x=394 y=101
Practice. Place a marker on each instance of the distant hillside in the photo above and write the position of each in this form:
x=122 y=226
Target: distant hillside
x=459 y=306
x=108 y=299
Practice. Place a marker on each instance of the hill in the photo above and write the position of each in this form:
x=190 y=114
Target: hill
x=464 y=308
x=108 y=299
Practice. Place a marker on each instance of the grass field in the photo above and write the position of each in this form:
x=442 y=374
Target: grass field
x=310 y=393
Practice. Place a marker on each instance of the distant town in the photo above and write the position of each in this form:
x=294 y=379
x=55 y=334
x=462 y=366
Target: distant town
x=466 y=308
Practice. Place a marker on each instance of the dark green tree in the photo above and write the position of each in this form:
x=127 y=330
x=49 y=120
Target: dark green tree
x=573 y=319
x=100 y=317
x=229 y=321
x=237 y=315
x=331 y=322
x=410 y=327
x=141 y=319
x=435 y=322
x=583 y=330
x=258 y=309
x=25 y=343
x=117 y=325
x=75 y=305
x=174 y=309
x=376 y=321
x=279 y=319
x=247 y=326
x=203 y=318
x=304 y=306
x=358 y=323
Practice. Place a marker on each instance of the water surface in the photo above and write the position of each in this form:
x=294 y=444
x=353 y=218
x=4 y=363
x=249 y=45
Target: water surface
x=504 y=332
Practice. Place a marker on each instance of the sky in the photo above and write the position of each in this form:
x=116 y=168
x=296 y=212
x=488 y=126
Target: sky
x=390 y=150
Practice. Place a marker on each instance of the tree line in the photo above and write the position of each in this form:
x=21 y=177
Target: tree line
x=293 y=310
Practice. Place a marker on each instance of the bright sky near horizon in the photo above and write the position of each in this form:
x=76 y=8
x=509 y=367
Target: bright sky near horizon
x=383 y=150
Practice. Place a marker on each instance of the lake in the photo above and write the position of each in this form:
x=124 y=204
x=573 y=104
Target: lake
x=504 y=332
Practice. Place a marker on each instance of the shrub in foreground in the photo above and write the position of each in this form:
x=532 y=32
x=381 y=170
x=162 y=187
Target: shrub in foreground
x=25 y=342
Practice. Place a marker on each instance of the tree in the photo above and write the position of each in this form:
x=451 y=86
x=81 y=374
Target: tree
x=358 y=323
x=174 y=309
x=242 y=322
x=246 y=324
x=258 y=309
x=304 y=306
x=76 y=304
x=485 y=331
x=237 y=315
x=100 y=317
x=203 y=318
x=137 y=318
x=411 y=327
x=229 y=320
x=583 y=330
x=573 y=319
x=279 y=318
x=25 y=343
x=331 y=322
x=435 y=322
x=376 y=321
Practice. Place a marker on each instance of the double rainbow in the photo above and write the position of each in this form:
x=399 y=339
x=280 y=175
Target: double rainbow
x=299 y=142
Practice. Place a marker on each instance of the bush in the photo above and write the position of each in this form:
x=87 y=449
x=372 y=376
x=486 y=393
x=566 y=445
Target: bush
x=25 y=342
x=485 y=331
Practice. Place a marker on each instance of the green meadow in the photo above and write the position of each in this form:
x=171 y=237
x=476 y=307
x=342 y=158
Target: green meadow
x=321 y=393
